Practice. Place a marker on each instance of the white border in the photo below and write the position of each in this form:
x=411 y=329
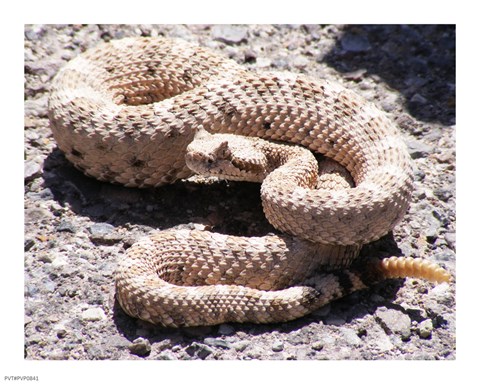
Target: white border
x=245 y=11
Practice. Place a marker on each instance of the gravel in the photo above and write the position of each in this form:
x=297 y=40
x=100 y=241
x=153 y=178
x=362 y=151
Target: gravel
x=230 y=34
x=394 y=322
x=76 y=228
x=140 y=347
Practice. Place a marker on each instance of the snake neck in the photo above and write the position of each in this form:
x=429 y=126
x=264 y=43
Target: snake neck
x=234 y=157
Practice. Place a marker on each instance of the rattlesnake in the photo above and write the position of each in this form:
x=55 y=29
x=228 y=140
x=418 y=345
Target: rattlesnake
x=125 y=112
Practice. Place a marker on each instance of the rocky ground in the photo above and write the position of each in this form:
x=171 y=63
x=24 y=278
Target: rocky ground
x=76 y=227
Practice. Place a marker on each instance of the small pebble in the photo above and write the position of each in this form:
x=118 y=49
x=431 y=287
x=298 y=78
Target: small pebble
x=450 y=238
x=49 y=286
x=101 y=229
x=443 y=193
x=230 y=34
x=61 y=333
x=166 y=355
x=31 y=170
x=36 y=215
x=104 y=233
x=277 y=346
x=300 y=62
x=28 y=244
x=66 y=226
x=200 y=350
x=250 y=56
x=317 y=345
x=425 y=329
x=93 y=314
x=241 y=345
x=214 y=342
x=140 y=347
x=351 y=337
x=433 y=226
x=394 y=322
x=418 y=149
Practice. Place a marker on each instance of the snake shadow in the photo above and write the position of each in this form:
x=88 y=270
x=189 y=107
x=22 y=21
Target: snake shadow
x=156 y=208
x=236 y=207
x=341 y=312
x=416 y=60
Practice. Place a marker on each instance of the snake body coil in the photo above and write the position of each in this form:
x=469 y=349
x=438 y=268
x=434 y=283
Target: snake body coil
x=125 y=112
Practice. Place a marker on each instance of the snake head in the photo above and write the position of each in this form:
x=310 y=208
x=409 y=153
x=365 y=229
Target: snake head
x=228 y=157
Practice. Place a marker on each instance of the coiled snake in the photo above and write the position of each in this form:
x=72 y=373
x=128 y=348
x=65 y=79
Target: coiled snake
x=126 y=111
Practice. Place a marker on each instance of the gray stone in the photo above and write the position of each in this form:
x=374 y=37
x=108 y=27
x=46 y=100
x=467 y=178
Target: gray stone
x=303 y=354
x=93 y=314
x=140 y=347
x=450 y=238
x=166 y=355
x=418 y=149
x=352 y=42
x=34 y=32
x=351 y=337
x=240 y=346
x=61 y=332
x=66 y=226
x=297 y=337
x=249 y=56
x=104 y=233
x=31 y=170
x=230 y=34
x=379 y=341
x=419 y=174
x=318 y=345
x=49 y=286
x=440 y=295
x=36 y=215
x=263 y=62
x=101 y=229
x=433 y=226
x=214 y=342
x=28 y=244
x=34 y=339
x=36 y=107
x=446 y=156
x=57 y=354
x=200 y=350
x=300 y=62
x=356 y=75
x=44 y=194
x=118 y=341
x=277 y=346
x=279 y=62
x=425 y=329
x=394 y=322
x=30 y=290
x=443 y=193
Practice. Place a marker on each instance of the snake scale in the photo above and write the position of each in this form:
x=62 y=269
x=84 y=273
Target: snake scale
x=130 y=110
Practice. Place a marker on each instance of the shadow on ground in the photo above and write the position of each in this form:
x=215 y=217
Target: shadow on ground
x=416 y=60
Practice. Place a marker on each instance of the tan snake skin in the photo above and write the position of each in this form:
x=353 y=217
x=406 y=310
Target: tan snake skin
x=125 y=112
